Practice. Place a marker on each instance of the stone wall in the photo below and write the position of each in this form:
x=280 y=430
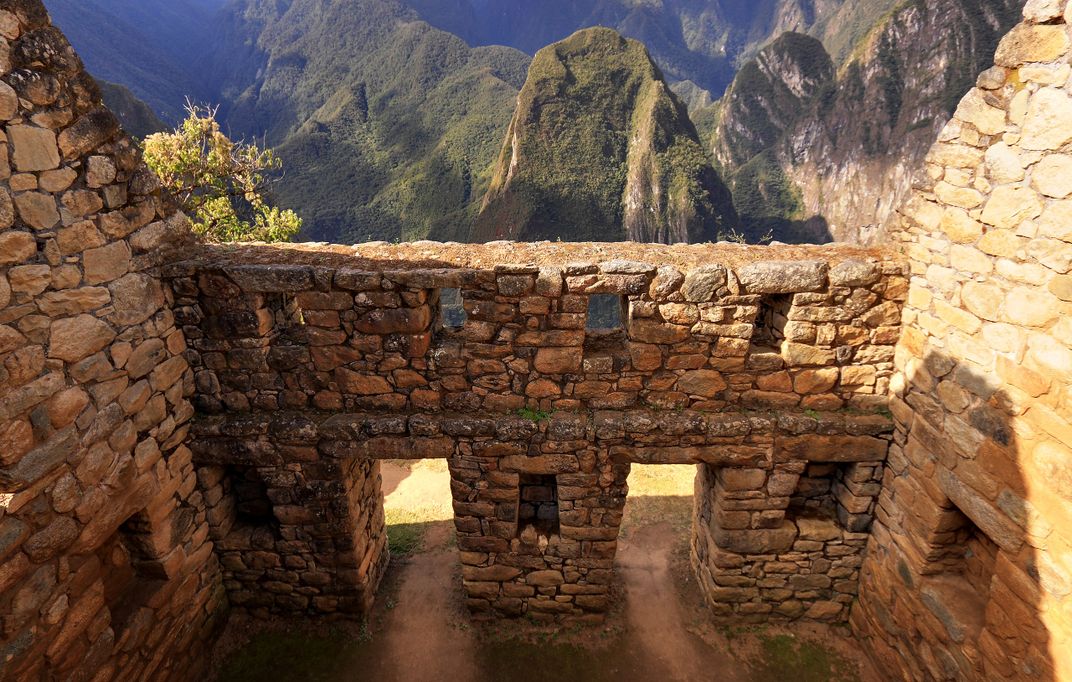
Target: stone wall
x=106 y=571
x=760 y=365
x=184 y=430
x=969 y=572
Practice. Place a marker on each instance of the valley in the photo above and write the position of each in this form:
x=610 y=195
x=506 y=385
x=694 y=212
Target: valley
x=806 y=120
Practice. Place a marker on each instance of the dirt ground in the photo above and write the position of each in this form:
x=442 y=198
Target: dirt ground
x=660 y=629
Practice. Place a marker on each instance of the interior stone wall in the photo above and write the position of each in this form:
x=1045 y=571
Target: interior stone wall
x=106 y=571
x=311 y=362
x=127 y=524
x=969 y=571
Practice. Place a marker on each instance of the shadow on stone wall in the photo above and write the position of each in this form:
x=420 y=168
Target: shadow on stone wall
x=953 y=584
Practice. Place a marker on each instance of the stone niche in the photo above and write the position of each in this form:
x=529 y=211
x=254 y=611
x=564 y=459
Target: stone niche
x=310 y=366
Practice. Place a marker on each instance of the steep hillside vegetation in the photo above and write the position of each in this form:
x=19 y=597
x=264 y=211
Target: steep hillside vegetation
x=137 y=117
x=388 y=127
x=599 y=148
x=153 y=47
x=846 y=160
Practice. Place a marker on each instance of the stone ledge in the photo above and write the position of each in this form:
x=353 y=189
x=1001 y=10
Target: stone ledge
x=641 y=436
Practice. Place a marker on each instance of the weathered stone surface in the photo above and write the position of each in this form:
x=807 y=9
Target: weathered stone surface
x=759 y=541
x=1003 y=164
x=819 y=448
x=558 y=360
x=1045 y=127
x=37 y=209
x=135 y=297
x=16 y=247
x=1032 y=43
x=87 y=133
x=272 y=278
x=38 y=463
x=854 y=273
x=783 y=277
x=707 y=383
x=699 y=285
x=1009 y=206
x=973 y=109
x=106 y=263
x=1052 y=176
x=34 y=149
x=74 y=338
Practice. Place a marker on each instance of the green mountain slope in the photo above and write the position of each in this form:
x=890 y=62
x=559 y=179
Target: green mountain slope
x=153 y=47
x=700 y=41
x=137 y=117
x=600 y=149
x=387 y=126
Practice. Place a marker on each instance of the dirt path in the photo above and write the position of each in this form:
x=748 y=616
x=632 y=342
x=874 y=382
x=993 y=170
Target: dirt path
x=421 y=640
x=420 y=632
x=656 y=619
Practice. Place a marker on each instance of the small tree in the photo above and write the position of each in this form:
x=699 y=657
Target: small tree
x=219 y=182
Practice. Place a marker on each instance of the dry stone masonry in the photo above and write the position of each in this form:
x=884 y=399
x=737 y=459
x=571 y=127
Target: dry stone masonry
x=969 y=569
x=308 y=373
x=106 y=568
x=881 y=437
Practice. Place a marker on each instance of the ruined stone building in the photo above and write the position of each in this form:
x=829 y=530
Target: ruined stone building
x=882 y=437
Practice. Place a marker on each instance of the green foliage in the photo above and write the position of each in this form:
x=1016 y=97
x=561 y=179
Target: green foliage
x=764 y=196
x=534 y=415
x=219 y=183
x=389 y=134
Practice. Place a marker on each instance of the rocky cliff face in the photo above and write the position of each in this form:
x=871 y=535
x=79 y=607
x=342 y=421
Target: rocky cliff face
x=846 y=160
x=600 y=149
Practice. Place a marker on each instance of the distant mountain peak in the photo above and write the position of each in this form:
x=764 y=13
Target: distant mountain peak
x=600 y=149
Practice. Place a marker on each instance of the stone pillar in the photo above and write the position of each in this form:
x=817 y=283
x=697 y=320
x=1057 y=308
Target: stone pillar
x=299 y=528
x=514 y=566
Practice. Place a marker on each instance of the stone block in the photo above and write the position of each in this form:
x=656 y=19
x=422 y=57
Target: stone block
x=833 y=448
x=760 y=541
x=35 y=149
x=1027 y=43
x=783 y=277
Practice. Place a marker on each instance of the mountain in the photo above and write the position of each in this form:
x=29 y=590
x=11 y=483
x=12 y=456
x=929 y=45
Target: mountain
x=137 y=117
x=388 y=127
x=818 y=155
x=153 y=47
x=696 y=42
x=601 y=149
x=390 y=114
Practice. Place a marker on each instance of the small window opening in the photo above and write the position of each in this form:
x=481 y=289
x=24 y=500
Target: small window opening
x=814 y=495
x=537 y=509
x=131 y=574
x=842 y=493
x=770 y=323
x=252 y=506
x=605 y=312
x=451 y=309
x=285 y=311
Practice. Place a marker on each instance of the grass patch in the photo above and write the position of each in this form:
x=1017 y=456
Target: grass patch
x=404 y=538
x=787 y=658
x=534 y=415
x=295 y=656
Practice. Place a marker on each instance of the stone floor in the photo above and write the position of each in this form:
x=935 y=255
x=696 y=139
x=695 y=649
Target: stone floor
x=420 y=630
